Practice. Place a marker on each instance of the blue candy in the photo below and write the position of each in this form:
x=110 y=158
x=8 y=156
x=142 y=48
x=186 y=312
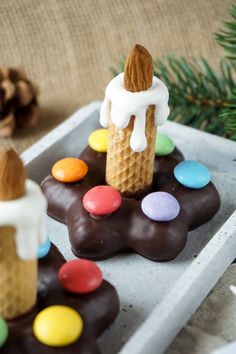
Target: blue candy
x=192 y=174
x=44 y=249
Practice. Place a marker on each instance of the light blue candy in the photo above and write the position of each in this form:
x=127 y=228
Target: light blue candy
x=192 y=174
x=44 y=249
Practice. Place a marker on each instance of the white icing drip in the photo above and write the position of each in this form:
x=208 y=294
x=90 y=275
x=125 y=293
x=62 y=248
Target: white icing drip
x=126 y=103
x=28 y=215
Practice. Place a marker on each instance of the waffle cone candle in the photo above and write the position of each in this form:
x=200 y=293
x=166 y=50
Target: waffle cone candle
x=22 y=229
x=135 y=103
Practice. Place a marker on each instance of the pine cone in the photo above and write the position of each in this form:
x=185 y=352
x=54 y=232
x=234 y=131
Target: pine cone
x=18 y=101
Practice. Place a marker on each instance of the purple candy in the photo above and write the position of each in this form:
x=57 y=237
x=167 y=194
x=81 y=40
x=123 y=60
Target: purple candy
x=160 y=206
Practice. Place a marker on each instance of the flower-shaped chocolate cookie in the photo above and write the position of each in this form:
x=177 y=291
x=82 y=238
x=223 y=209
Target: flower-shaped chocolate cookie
x=130 y=225
x=69 y=315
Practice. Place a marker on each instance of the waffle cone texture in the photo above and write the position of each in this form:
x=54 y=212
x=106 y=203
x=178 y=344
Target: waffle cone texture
x=128 y=171
x=18 y=278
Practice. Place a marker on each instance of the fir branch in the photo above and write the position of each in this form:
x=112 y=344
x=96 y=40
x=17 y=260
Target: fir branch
x=227 y=39
x=227 y=36
x=229 y=117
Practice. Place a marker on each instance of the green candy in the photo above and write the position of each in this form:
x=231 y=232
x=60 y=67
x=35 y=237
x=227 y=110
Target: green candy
x=164 y=145
x=3 y=331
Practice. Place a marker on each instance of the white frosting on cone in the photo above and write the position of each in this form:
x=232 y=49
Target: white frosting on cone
x=126 y=103
x=28 y=215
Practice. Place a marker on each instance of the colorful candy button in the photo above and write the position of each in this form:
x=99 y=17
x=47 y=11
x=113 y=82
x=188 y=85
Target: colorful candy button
x=44 y=249
x=164 y=145
x=160 y=206
x=57 y=326
x=80 y=276
x=102 y=200
x=98 y=140
x=192 y=174
x=3 y=332
x=69 y=170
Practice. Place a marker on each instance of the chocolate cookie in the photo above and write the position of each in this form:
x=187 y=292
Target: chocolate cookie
x=128 y=228
x=97 y=309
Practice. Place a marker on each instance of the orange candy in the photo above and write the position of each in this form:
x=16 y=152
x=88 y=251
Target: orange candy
x=69 y=170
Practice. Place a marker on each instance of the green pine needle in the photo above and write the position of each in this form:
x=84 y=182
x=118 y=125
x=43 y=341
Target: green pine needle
x=227 y=39
x=227 y=36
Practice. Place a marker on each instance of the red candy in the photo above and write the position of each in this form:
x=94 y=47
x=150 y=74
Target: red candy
x=102 y=200
x=80 y=276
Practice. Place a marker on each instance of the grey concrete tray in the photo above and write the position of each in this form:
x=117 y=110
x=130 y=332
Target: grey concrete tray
x=157 y=299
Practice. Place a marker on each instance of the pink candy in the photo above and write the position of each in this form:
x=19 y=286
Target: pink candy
x=80 y=276
x=102 y=200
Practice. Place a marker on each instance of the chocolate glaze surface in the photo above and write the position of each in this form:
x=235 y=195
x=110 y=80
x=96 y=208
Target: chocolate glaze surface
x=97 y=309
x=128 y=228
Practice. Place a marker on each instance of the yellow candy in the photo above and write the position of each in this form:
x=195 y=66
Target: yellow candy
x=98 y=140
x=57 y=326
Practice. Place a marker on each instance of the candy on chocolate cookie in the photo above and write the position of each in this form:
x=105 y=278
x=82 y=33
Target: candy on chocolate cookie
x=80 y=276
x=164 y=145
x=47 y=305
x=48 y=329
x=162 y=196
x=98 y=140
x=160 y=206
x=102 y=200
x=69 y=170
x=192 y=174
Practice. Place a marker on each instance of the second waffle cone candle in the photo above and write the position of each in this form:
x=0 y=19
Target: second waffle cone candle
x=135 y=103
x=22 y=228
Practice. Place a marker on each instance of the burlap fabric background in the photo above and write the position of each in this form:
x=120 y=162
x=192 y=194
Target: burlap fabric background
x=67 y=46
